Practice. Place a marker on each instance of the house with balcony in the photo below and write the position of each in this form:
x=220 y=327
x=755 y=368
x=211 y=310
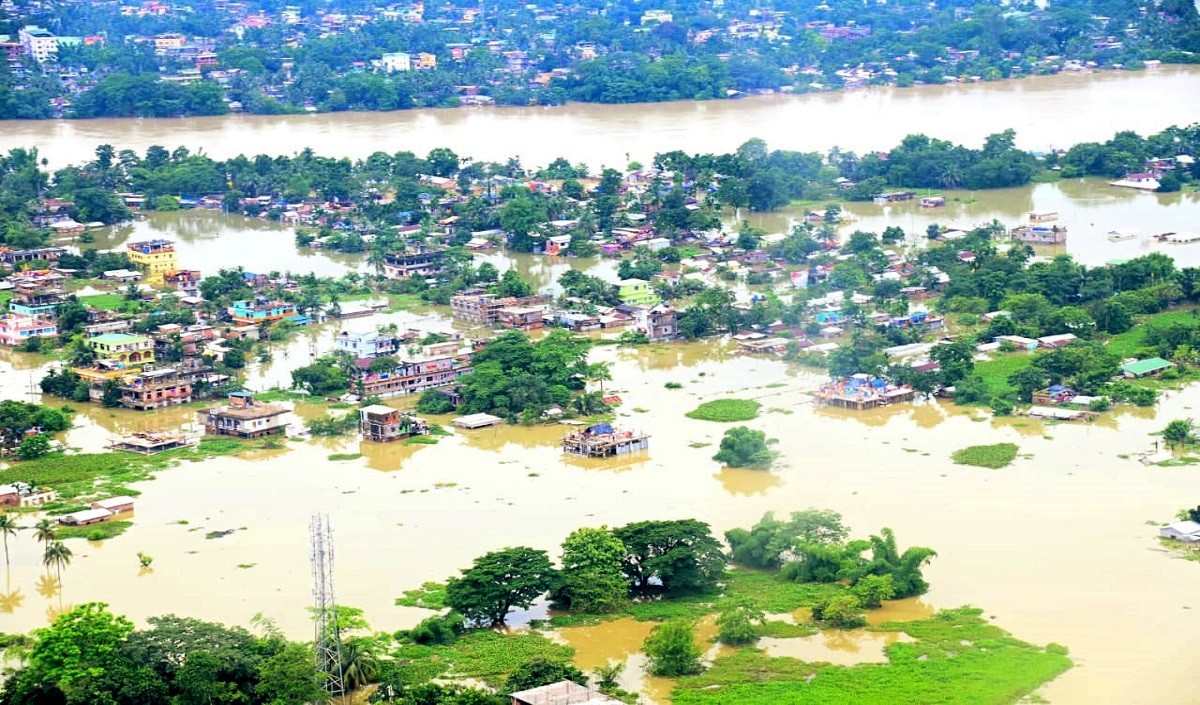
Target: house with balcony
x=383 y=423
x=123 y=349
x=156 y=389
x=244 y=417
x=421 y=263
x=261 y=310
x=438 y=365
x=478 y=306
x=155 y=258
x=15 y=328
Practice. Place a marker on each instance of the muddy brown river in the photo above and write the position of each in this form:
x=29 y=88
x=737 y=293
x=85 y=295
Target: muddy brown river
x=1058 y=547
x=1046 y=111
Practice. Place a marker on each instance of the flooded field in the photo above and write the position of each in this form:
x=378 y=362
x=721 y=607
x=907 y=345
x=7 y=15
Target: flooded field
x=1056 y=547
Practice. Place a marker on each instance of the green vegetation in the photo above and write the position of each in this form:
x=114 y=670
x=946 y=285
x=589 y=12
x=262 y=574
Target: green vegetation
x=726 y=410
x=430 y=596
x=671 y=650
x=957 y=659
x=105 y=302
x=95 y=532
x=483 y=654
x=344 y=456
x=429 y=440
x=743 y=447
x=992 y=456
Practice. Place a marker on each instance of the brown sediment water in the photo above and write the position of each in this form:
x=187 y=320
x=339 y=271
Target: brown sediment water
x=836 y=646
x=1046 y=111
x=1056 y=547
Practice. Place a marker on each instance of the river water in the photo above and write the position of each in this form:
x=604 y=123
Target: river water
x=1057 y=547
x=1046 y=111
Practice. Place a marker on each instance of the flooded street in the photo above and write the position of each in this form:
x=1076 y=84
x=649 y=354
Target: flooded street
x=1046 y=111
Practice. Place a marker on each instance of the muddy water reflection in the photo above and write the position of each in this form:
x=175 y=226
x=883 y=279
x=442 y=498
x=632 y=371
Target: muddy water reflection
x=835 y=646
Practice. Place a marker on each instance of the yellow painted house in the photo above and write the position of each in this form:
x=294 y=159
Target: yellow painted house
x=154 y=257
x=124 y=349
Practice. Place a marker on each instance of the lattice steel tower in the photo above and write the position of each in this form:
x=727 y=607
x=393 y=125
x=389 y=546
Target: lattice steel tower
x=327 y=640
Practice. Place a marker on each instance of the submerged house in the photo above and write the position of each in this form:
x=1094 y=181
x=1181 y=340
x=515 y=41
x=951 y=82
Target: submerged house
x=1185 y=531
x=862 y=391
x=383 y=423
x=243 y=417
x=604 y=441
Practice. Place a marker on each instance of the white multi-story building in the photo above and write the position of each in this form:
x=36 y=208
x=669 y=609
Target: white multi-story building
x=38 y=43
x=396 y=61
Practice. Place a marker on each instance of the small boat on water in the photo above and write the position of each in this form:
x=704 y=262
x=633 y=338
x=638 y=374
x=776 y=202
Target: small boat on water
x=1122 y=236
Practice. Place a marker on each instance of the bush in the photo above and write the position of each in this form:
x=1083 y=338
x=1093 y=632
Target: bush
x=673 y=385
x=738 y=624
x=726 y=410
x=436 y=630
x=672 y=651
x=33 y=447
x=542 y=671
x=1001 y=406
x=842 y=611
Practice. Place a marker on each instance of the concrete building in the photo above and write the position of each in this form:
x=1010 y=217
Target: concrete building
x=16 y=328
x=39 y=43
x=244 y=417
x=122 y=348
x=396 y=61
x=154 y=257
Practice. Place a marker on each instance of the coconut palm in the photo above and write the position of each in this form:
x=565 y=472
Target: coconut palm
x=57 y=555
x=8 y=527
x=43 y=531
x=358 y=666
x=598 y=372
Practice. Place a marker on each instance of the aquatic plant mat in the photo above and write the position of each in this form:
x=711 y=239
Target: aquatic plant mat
x=725 y=410
x=992 y=456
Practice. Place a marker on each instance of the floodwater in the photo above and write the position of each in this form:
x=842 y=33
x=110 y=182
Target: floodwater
x=1055 y=547
x=211 y=240
x=836 y=646
x=1046 y=111
x=1058 y=547
x=1089 y=208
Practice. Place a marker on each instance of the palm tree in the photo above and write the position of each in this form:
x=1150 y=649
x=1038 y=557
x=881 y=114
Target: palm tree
x=598 y=372
x=57 y=555
x=43 y=531
x=8 y=527
x=358 y=666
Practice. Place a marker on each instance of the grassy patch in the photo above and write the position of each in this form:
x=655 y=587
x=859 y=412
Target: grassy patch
x=421 y=440
x=698 y=444
x=83 y=476
x=431 y=596
x=344 y=456
x=483 y=655
x=992 y=456
x=995 y=372
x=95 y=532
x=957 y=659
x=108 y=302
x=726 y=410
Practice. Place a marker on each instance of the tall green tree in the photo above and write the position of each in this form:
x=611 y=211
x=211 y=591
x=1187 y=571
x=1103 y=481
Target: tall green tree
x=499 y=581
x=591 y=579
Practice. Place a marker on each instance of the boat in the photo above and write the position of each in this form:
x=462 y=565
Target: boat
x=1119 y=236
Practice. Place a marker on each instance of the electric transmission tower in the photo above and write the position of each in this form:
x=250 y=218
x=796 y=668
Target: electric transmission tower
x=327 y=640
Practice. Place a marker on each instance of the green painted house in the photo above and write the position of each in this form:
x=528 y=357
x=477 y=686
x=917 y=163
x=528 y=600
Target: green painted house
x=636 y=292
